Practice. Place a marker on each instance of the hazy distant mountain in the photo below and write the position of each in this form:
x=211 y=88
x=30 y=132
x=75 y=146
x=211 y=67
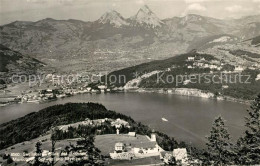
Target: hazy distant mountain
x=115 y=41
x=231 y=50
x=250 y=30
x=214 y=40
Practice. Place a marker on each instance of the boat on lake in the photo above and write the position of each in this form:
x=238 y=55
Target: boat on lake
x=165 y=120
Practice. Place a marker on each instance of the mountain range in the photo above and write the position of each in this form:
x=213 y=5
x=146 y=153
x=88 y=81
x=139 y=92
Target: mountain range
x=113 y=42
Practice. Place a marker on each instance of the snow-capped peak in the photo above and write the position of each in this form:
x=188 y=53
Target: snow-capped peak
x=114 y=18
x=146 y=16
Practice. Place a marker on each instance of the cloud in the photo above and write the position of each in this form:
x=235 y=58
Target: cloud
x=196 y=7
x=234 y=8
x=196 y=1
x=56 y=1
x=114 y=4
x=237 y=8
x=140 y=2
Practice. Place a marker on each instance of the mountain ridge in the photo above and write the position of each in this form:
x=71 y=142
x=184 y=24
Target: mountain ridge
x=14 y=63
x=133 y=40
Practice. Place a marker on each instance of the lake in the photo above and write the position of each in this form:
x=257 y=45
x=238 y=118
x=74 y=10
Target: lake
x=189 y=118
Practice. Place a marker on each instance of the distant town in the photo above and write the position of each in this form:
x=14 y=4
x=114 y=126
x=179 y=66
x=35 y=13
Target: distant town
x=56 y=87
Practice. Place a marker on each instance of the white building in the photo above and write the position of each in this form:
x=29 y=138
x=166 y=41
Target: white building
x=181 y=155
x=225 y=86
x=213 y=66
x=153 y=137
x=102 y=87
x=119 y=147
x=132 y=134
x=146 y=147
x=257 y=77
x=206 y=65
x=238 y=69
x=191 y=58
x=200 y=64
x=147 y=151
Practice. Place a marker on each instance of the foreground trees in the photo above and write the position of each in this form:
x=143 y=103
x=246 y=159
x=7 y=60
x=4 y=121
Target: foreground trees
x=85 y=150
x=249 y=143
x=38 y=156
x=247 y=149
x=219 y=144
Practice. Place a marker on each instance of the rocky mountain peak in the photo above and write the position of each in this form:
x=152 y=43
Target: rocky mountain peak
x=145 y=16
x=145 y=9
x=114 y=18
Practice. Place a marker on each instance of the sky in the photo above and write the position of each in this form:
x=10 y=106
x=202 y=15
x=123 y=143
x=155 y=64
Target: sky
x=90 y=10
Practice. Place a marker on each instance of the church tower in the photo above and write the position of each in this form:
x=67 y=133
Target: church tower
x=153 y=136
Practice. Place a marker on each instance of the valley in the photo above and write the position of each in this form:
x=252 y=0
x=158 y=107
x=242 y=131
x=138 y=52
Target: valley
x=133 y=90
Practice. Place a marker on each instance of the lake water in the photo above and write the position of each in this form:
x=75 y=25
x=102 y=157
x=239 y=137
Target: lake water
x=189 y=118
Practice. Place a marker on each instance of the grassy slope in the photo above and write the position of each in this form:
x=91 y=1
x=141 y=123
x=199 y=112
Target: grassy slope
x=105 y=143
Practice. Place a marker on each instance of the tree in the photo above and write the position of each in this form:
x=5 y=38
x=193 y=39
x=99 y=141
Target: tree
x=38 y=154
x=249 y=144
x=219 y=144
x=53 y=143
x=87 y=153
x=9 y=159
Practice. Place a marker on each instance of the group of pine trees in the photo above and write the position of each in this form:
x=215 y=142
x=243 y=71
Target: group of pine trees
x=85 y=152
x=246 y=151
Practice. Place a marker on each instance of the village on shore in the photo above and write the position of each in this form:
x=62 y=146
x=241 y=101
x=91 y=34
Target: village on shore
x=55 y=86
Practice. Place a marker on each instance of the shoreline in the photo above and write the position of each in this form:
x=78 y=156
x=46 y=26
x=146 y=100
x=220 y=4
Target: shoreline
x=173 y=91
x=189 y=92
